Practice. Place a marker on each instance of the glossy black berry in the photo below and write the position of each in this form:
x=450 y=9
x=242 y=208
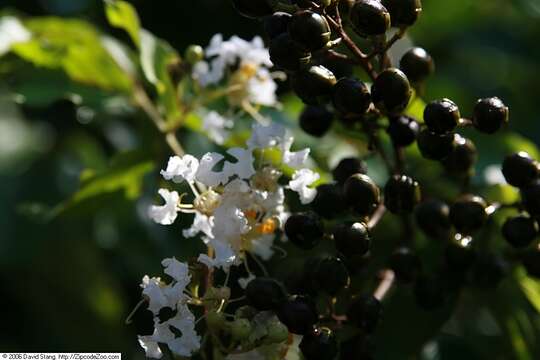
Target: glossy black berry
x=316 y=120
x=429 y=292
x=340 y=67
x=417 y=64
x=313 y=84
x=369 y=17
x=459 y=257
x=351 y=96
x=433 y=218
x=530 y=196
x=329 y=201
x=403 y=12
x=403 y=130
x=490 y=115
x=434 y=146
x=462 y=158
x=468 y=214
x=391 y=91
x=276 y=24
x=331 y=275
x=531 y=262
x=253 y=9
x=265 y=293
x=520 y=231
x=401 y=194
x=406 y=264
x=299 y=314
x=352 y=239
x=348 y=167
x=362 y=194
x=319 y=344
x=304 y=230
x=520 y=169
x=365 y=313
x=309 y=30
x=441 y=116
x=286 y=54
x=488 y=271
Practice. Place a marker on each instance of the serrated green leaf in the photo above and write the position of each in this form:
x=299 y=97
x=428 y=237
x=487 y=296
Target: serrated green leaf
x=122 y=14
x=75 y=47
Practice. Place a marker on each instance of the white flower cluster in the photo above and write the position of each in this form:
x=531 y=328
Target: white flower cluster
x=238 y=206
x=160 y=295
x=243 y=67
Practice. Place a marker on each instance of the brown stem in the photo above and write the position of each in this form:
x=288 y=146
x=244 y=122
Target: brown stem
x=387 y=281
x=377 y=216
x=383 y=50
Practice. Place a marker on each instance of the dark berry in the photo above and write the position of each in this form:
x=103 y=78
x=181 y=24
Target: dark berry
x=305 y=230
x=520 y=169
x=365 y=313
x=348 y=167
x=299 y=314
x=468 y=214
x=432 y=217
x=441 y=116
x=313 y=84
x=417 y=64
x=286 y=54
x=401 y=194
x=434 y=146
x=391 y=91
x=309 y=30
x=520 y=231
x=530 y=196
x=352 y=239
x=459 y=256
x=489 y=270
x=276 y=24
x=331 y=275
x=253 y=8
x=362 y=194
x=403 y=12
x=429 y=292
x=405 y=264
x=531 y=262
x=369 y=17
x=316 y=120
x=403 y=130
x=490 y=115
x=319 y=344
x=329 y=201
x=340 y=67
x=351 y=96
x=265 y=293
x=462 y=158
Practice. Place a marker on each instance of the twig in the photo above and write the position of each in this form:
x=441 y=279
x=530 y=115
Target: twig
x=398 y=35
x=376 y=217
x=387 y=280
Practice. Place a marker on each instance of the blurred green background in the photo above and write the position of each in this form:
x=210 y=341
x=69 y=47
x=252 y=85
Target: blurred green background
x=68 y=285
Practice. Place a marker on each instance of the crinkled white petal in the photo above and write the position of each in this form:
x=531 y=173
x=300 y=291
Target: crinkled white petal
x=177 y=270
x=237 y=186
x=262 y=246
x=201 y=223
x=181 y=168
x=150 y=346
x=165 y=214
x=264 y=136
x=224 y=255
x=217 y=126
x=296 y=159
x=262 y=88
x=243 y=167
x=154 y=293
x=300 y=182
x=206 y=174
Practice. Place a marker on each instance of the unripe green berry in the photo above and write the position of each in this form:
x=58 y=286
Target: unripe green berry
x=194 y=54
x=240 y=329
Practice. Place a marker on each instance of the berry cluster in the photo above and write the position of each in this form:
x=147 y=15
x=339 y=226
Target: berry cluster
x=312 y=41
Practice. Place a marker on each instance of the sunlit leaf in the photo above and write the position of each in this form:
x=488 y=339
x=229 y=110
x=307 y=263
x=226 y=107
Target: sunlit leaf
x=122 y=14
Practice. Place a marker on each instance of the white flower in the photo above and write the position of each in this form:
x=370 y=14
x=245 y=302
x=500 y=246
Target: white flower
x=262 y=88
x=12 y=32
x=224 y=256
x=154 y=293
x=150 y=346
x=181 y=168
x=201 y=223
x=206 y=174
x=165 y=214
x=300 y=182
x=177 y=270
x=266 y=136
x=217 y=126
x=243 y=167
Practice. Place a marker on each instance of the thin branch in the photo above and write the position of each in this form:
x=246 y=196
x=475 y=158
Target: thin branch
x=387 y=281
x=377 y=216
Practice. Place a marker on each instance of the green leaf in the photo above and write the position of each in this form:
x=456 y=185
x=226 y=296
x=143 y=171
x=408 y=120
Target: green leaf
x=125 y=173
x=122 y=15
x=75 y=47
x=530 y=287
